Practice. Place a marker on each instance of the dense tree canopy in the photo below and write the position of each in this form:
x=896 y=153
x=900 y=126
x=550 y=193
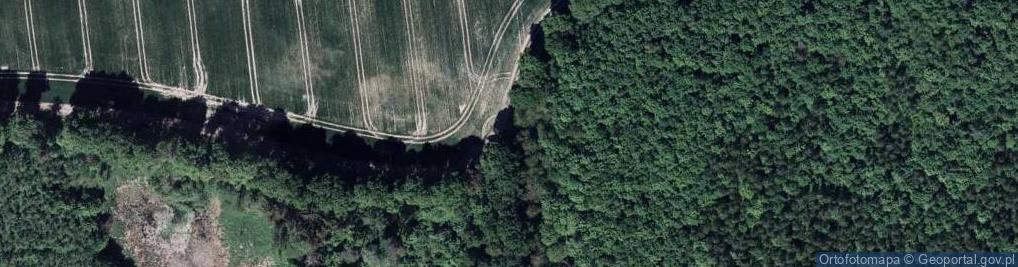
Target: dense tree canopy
x=762 y=132
x=641 y=133
x=43 y=222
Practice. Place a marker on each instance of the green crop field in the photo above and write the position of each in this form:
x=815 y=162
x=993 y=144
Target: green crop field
x=220 y=32
x=15 y=49
x=51 y=35
x=276 y=46
x=417 y=70
x=110 y=34
x=167 y=43
x=330 y=41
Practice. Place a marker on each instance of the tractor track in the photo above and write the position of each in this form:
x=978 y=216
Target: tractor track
x=139 y=36
x=414 y=68
x=30 y=25
x=359 y=60
x=483 y=81
x=252 y=64
x=200 y=75
x=86 y=39
x=309 y=88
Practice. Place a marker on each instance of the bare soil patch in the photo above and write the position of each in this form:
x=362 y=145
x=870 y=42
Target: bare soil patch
x=153 y=238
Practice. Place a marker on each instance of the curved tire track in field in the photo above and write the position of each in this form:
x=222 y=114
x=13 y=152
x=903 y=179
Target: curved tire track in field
x=503 y=26
x=465 y=30
x=413 y=65
x=200 y=75
x=484 y=82
x=215 y=101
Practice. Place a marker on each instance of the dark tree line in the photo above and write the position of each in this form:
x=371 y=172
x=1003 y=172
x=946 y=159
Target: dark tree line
x=355 y=200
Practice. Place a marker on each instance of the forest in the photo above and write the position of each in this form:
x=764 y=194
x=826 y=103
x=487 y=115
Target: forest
x=759 y=133
x=674 y=133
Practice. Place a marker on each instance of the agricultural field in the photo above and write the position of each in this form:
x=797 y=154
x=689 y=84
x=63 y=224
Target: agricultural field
x=16 y=48
x=110 y=36
x=416 y=70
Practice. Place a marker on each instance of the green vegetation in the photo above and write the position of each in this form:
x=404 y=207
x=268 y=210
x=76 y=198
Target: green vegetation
x=166 y=43
x=333 y=50
x=14 y=52
x=48 y=213
x=641 y=133
x=250 y=232
x=761 y=132
x=419 y=70
x=62 y=56
x=112 y=35
x=305 y=203
x=221 y=38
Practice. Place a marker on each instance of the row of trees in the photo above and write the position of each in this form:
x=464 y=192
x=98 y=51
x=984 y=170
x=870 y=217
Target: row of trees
x=355 y=201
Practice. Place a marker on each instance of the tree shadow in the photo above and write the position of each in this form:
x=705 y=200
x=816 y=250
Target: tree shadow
x=10 y=86
x=243 y=130
x=117 y=104
x=117 y=99
x=29 y=102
